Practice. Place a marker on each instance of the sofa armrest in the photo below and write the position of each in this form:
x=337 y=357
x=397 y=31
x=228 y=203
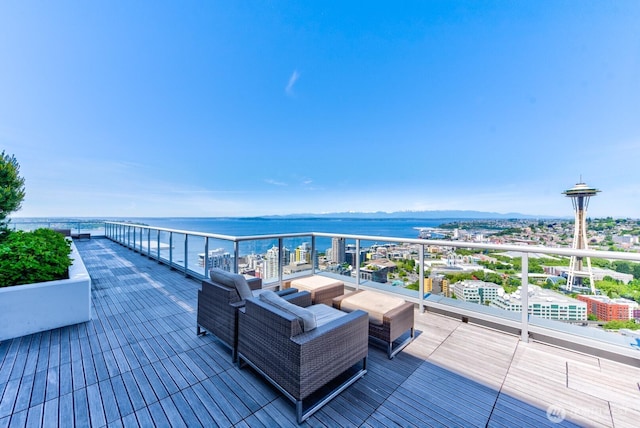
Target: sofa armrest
x=289 y=294
x=238 y=304
x=255 y=283
x=286 y=291
x=300 y=298
x=330 y=349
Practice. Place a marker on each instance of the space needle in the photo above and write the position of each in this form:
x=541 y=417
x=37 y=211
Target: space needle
x=580 y=194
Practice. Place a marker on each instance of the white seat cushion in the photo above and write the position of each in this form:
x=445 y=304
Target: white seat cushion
x=325 y=314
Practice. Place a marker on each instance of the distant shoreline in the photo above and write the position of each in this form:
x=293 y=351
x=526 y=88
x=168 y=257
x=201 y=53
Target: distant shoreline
x=398 y=215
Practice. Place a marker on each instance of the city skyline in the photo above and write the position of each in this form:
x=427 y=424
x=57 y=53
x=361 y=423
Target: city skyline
x=121 y=109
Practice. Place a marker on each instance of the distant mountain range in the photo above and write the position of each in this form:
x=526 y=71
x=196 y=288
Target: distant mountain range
x=440 y=214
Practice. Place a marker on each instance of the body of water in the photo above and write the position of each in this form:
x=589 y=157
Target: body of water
x=401 y=228
x=240 y=226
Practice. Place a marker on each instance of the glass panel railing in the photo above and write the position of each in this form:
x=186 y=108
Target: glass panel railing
x=179 y=251
x=298 y=257
x=216 y=253
x=472 y=281
x=164 y=246
x=76 y=228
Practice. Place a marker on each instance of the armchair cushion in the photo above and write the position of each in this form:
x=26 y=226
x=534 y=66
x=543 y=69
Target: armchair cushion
x=306 y=317
x=232 y=280
x=325 y=314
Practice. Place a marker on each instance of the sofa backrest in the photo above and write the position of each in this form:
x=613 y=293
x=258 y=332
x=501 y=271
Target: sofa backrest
x=231 y=280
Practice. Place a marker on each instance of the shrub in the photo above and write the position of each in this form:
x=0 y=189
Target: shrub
x=37 y=256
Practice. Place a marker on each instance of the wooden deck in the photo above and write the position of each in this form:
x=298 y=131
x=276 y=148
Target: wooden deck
x=140 y=363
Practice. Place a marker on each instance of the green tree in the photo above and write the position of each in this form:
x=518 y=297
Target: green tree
x=493 y=277
x=617 y=325
x=11 y=190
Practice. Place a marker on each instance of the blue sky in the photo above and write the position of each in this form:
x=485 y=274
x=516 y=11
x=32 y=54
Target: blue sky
x=215 y=108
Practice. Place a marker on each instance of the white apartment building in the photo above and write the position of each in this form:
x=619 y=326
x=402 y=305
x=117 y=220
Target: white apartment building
x=271 y=262
x=476 y=291
x=218 y=258
x=625 y=239
x=544 y=303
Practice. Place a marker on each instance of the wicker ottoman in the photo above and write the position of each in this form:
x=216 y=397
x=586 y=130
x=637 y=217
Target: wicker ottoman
x=322 y=289
x=389 y=317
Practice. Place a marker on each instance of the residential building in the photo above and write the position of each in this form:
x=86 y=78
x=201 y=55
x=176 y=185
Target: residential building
x=476 y=291
x=270 y=263
x=607 y=309
x=374 y=273
x=543 y=303
x=218 y=258
x=338 y=249
x=302 y=254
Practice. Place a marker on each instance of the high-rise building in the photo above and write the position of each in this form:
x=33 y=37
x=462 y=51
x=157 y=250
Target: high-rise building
x=350 y=255
x=270 y=264
x=428 y=285
x=580 y=194
x=218 y=258
x=302 y=254
x=338 y=249
x=272 y=260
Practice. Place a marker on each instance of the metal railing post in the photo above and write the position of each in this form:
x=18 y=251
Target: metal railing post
x=171 y=249
x=313 y=255
x=236 y=255
x=524 y=298
x=280 y=262
x=186 y=253
x=205 y=263
x=421 y=278
x=158 y=244
x=357 y=264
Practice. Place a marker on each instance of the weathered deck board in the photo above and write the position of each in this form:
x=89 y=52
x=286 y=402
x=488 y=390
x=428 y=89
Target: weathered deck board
x=140 y=363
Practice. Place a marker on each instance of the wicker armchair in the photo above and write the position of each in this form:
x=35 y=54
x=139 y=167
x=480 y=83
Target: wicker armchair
x=309 y=367
x=218 y=305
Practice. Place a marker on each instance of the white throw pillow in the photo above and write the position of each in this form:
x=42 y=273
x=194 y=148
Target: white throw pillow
x=305 y=316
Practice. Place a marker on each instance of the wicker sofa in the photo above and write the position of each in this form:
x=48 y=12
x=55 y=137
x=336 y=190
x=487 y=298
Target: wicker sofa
x=309 y=362
x=218 y=302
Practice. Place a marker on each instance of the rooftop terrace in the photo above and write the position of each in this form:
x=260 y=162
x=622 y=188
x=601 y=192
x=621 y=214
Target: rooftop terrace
x=140 y=363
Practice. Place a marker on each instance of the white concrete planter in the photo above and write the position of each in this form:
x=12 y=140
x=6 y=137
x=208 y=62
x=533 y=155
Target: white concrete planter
x=31 y=308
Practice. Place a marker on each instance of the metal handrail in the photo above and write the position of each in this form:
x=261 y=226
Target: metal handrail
x=121 y=232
